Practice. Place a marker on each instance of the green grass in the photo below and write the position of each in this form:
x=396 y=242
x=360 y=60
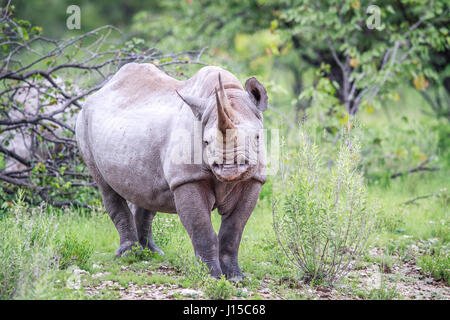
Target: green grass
x=436 y=264
x=88 y=239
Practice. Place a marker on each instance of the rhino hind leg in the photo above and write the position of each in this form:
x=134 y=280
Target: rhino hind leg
x=143 y=220
x=120 y=214
x=116 y=206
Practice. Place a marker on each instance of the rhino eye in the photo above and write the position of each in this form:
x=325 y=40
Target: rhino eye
x=206 y=142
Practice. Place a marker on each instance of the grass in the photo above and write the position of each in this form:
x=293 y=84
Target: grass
x=436 y=264
x=88 y=241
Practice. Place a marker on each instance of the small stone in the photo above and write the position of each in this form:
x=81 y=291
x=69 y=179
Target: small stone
x=265 y=290
x=190 y=293
x=100 y=274
x=79 y=272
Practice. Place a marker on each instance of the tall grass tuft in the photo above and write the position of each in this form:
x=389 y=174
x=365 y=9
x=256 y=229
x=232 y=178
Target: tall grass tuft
x=27 y=253
x=321 y=216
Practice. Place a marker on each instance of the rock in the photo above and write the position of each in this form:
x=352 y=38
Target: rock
x=191 y=293
x=80 y=272
x=265 y=290
x=100 y=274
x=73 y=284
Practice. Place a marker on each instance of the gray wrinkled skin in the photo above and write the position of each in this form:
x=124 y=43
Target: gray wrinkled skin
x=127 y=132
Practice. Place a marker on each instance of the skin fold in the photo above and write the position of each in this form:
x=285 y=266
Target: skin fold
x=132 y=132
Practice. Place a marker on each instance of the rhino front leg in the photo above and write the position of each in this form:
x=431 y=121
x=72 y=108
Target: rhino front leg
x=120 y=214
x=143 y=220
x=231 y=229
x=194 y=202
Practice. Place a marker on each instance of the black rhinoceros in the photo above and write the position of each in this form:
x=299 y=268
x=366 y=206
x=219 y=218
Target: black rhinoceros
x=184 y=147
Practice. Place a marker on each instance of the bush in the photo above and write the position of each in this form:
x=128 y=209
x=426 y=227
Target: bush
x=219 y=289
x=27 y=260
x=321 y=216
x=73 y=251
x=397 y=148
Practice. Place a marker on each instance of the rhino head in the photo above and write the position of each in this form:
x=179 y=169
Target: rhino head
x=232 y=126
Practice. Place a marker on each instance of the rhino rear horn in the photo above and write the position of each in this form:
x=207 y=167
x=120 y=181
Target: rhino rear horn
x=257 y=93
x=196 y=104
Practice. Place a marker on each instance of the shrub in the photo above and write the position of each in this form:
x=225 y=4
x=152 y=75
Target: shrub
x=27 y=260
x=219 y=289
x=195 y=271
x=397 y=148
x=321 y=216
x=163 y=228
x=73 y=251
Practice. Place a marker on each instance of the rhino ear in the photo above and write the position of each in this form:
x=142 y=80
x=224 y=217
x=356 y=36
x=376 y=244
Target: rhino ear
x=197 y=105
x=257 y=93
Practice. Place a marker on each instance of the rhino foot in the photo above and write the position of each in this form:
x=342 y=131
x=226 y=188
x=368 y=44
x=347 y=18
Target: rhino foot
x=150 y=245
x=236 y=278
x=125 y=248
x=233 y=273
x=154 y=248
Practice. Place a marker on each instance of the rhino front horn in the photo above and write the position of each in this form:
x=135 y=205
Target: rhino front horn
x=196 y=104
x=223 y=121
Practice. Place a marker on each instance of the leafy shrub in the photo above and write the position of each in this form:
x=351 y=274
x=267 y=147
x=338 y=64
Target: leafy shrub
x=397 y=148
x=321 y=216
x=195 y=271
x=219 y=289
x=163 y=228
x=137 y=254
x=73 y=251
x=27 y=260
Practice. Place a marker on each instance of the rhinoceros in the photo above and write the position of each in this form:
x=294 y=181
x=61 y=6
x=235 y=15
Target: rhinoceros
x=130 y=133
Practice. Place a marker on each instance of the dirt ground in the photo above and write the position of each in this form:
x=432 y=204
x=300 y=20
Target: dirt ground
x=399 y=281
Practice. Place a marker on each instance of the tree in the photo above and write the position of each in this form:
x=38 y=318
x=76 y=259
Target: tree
x=358 y=60
x=43 y=83
x=359 y=52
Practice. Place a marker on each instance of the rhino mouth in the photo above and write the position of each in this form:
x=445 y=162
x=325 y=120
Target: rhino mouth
x=230 y=172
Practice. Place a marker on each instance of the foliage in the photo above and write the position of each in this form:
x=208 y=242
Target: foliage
x=383 y=292
x=322 y=218
x=73 y=251
x=219 y=289
x=27 y=246
x=43 y=83
x=162 y=228
x=437 y=264
x=395 y=149
x=137 y=253
x=357 y=58
x=196 y=271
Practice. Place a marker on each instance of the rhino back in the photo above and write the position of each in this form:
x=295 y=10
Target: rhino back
x=125 y=127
